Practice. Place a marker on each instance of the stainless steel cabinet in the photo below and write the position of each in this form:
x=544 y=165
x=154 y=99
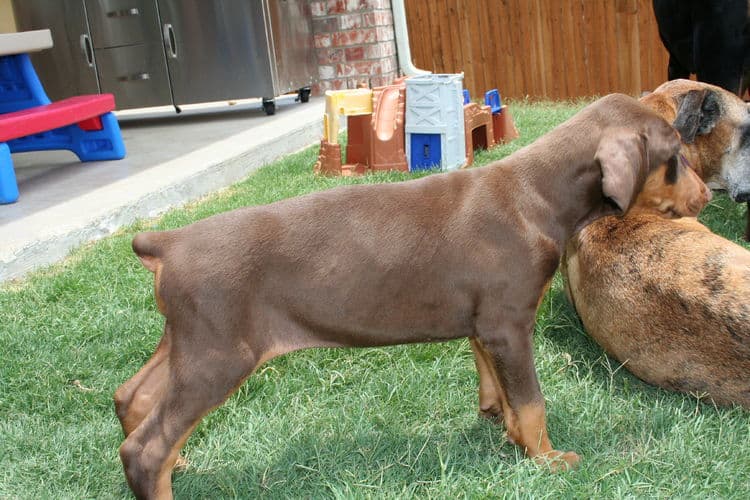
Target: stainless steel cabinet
x=156 y=52
x=128 y=52
x=68 y=68
x=237 y=28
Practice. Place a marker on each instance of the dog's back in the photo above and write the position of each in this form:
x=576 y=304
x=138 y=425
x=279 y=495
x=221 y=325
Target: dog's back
x=682 y=327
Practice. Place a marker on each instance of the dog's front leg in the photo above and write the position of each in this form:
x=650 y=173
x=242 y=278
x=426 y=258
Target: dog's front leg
x=507 y=346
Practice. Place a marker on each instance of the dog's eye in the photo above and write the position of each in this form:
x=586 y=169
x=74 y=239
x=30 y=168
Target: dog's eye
x=670 y=177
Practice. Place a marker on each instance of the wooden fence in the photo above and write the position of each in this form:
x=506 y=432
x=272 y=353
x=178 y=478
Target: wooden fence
x=544 y=49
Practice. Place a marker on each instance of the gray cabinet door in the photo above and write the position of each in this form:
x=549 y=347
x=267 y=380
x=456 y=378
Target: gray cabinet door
x=216 y=49
x=68 y=68
x=135 y=74
x=115 y=23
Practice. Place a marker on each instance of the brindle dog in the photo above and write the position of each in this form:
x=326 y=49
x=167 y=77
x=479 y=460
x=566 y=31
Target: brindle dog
x=668 y=298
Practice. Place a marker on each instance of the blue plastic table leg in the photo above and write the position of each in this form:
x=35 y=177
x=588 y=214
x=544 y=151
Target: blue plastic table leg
x=88 y=145
x=8 y=185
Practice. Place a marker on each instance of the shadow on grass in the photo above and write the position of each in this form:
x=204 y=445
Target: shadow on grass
x=373 y=461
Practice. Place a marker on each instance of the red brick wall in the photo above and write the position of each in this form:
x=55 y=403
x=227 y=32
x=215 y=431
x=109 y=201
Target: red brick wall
x=354 y=43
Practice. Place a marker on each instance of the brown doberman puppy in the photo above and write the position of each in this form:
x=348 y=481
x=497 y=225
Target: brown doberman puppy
x=668 y=298
x=461 y=254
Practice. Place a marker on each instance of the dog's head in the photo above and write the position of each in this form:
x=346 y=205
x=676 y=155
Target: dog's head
x=673 y=190
x=714 y=125
x=634 y=142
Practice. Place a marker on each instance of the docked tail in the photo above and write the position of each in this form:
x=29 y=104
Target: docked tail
x=149 y=247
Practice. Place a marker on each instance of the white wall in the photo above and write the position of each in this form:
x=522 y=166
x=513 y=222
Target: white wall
x=7 y=20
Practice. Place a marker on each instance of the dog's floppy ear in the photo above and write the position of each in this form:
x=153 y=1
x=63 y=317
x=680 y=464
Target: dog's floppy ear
x=622 y=156
x=697 y=114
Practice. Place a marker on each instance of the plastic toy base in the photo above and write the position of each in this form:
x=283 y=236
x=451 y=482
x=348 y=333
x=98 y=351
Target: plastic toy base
x=89 y=145
x=329 y=162
x=329 y=159
x=503 y=127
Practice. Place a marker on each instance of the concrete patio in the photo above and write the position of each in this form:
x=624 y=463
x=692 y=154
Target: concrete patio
x=171 y=160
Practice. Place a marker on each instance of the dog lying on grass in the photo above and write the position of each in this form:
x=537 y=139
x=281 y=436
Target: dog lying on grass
x=668 y=298
x=462 y=254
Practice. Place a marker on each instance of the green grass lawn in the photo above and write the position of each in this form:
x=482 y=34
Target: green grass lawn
x=389 y=422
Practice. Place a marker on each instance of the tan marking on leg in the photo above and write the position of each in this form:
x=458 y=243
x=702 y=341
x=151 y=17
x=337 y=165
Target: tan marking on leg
x=529 y=431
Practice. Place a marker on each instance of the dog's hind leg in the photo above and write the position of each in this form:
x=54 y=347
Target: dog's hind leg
x=510 y=347
x=135 y=398
x=196 y=384
x=492 y=401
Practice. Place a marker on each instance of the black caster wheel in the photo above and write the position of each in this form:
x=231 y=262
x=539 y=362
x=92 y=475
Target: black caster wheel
x=269 y=106
x=304 y=94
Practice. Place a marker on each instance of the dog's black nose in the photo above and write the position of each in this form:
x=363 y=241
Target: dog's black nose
x=742 y=197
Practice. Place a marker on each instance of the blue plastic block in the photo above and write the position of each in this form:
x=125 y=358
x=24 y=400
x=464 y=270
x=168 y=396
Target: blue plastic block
x=425 y=151
x=492 y=99
x=8 y=186
x=20 y=87
x=467 y=97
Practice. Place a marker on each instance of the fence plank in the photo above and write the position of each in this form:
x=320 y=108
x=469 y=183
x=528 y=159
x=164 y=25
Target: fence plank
x=554 y=49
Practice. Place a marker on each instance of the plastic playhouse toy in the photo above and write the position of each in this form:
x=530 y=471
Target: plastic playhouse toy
x=375 y=133
x=350 y=103
x=29 y=121
x=415 y=123
x=504 y=129
x=435 y=122
x=478 y=131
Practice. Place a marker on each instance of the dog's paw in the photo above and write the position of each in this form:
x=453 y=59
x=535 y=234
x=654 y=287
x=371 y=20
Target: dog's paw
x=558 y=461
x=491 y=414
x=181 y=464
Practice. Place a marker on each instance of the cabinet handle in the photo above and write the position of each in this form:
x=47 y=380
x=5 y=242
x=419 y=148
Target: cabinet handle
x=87 y=50
x=169 y=41
x=124 y=12
x=134 y=78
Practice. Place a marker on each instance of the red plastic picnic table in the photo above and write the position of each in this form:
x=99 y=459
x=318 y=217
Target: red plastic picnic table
x=29 y=121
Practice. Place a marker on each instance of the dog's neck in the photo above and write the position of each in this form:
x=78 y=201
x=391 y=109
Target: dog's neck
x=562 y=186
